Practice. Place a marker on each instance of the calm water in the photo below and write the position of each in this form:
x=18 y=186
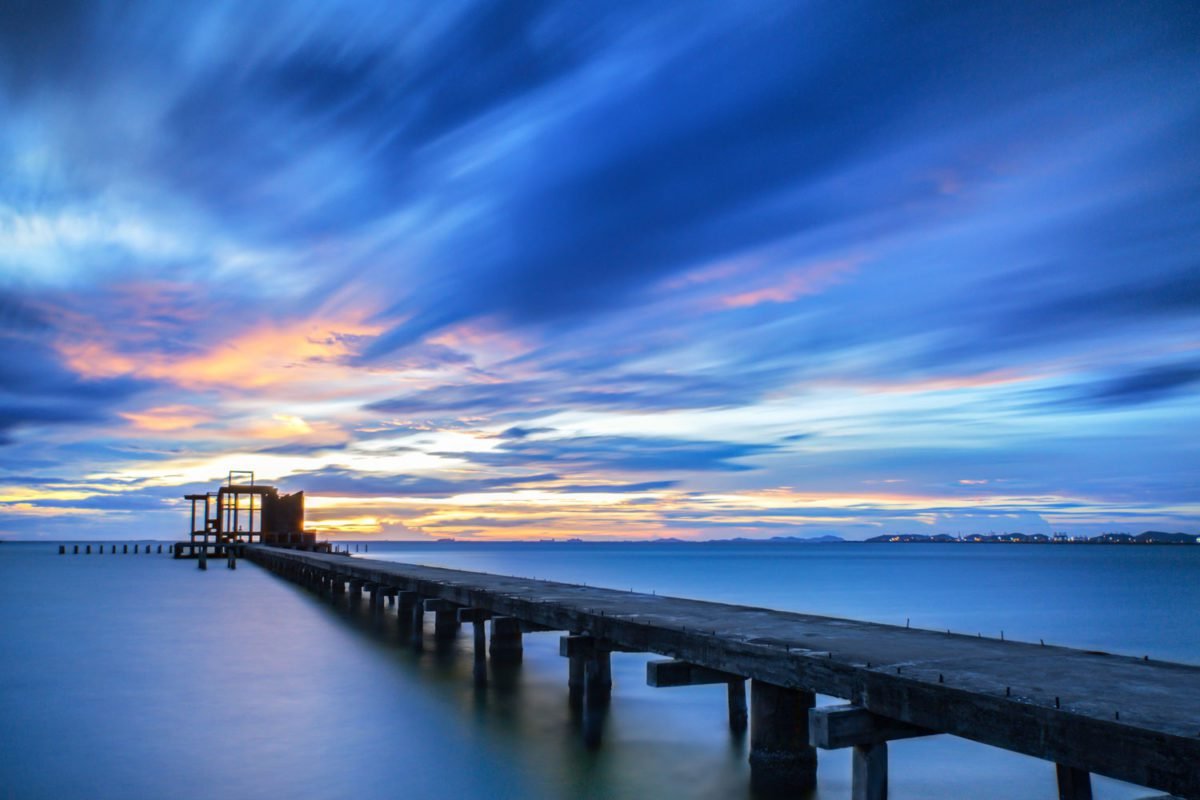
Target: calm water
x=127 y=676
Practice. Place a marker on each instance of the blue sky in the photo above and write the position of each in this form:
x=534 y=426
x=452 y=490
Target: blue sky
x=612 y=270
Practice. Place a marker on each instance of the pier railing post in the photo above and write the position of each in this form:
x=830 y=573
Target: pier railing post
x=781 y=758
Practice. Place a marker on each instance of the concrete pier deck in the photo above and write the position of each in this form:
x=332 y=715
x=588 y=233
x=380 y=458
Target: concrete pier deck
x=1128 y=718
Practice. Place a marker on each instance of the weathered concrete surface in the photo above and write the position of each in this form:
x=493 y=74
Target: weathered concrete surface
x=1050 y=702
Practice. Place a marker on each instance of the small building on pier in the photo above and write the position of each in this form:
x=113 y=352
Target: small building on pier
x=243 y=511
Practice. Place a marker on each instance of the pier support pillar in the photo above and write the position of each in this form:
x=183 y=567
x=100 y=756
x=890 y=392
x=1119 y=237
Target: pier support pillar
x=404 y=608
x=478 y=618
x=356 y=588
x=89 y=550
x=507 y=645
x=62 y=549
x=575 y=668
x=1073 y=783
x=203 y=563
x=781 y=759
x=445 y=619
x=418 y=624
x=869 y=772
x=597 y=677
x=445 y=625
x=736 y=696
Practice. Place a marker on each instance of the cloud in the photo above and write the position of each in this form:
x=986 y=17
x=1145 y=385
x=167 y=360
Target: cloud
x=1134 y=388
x=345 y=482
x=619 y=453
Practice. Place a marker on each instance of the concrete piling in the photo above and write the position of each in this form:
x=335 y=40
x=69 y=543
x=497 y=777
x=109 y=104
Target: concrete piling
x=869 y=768
x=62 y=549
x=418 y=624
x=1073 y=783
x=89 y=550
x=507 y=646
x=781 y=759
x=736 y=698
x=445 y=625
x=575 y=678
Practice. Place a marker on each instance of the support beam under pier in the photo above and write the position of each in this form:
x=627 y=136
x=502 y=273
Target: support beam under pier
x=663 y=674
x=833 y=727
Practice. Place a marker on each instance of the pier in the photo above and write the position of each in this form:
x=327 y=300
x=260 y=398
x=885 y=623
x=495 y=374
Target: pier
x=1133 y=719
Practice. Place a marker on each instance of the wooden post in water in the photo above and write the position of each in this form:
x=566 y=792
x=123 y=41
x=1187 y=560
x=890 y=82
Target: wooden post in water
x=231 y=561
x=781 y=758
x=76 y=552
x=89 y=550
x=62 y=549
x=203 y=554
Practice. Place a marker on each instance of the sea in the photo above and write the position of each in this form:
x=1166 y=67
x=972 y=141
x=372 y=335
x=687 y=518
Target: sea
x=139 y=676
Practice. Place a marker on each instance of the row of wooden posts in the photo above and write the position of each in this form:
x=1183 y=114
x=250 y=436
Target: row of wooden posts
x=785 y=725
x=87 y=549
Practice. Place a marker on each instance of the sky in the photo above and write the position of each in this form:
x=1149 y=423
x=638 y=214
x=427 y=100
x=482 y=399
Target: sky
x=602 y=270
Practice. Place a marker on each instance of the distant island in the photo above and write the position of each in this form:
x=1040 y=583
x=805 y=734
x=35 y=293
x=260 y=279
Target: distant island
x=1147 y=537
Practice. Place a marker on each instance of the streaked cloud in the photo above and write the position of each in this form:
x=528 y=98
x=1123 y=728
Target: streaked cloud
x=532 y=269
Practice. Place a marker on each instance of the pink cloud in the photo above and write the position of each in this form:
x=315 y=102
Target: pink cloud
x=807 y=280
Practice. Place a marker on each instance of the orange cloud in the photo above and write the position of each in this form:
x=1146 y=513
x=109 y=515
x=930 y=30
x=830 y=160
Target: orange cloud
x=167 y=418
x=268 y=355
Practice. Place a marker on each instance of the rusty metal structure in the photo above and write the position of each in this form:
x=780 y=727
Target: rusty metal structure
x=244 y=512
